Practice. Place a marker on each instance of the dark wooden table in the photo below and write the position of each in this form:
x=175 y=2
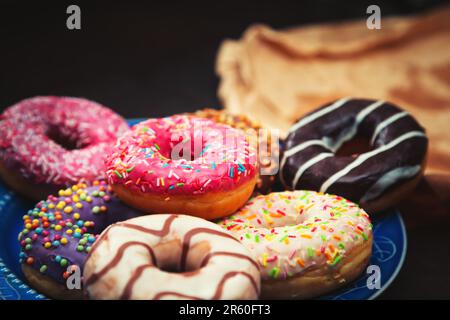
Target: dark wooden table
x=146 y=60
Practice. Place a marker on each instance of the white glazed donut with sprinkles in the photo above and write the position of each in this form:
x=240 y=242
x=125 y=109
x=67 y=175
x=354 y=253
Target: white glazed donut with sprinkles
x=306 y=243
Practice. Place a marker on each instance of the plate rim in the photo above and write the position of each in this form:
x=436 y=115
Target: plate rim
x=394 y=275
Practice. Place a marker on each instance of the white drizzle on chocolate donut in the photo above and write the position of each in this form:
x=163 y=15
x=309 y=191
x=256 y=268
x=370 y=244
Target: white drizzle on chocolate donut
x=328 y=183
x=397 y=141
x=313 y=116
x=386 y=123
x=388 y=180
x=328 y=143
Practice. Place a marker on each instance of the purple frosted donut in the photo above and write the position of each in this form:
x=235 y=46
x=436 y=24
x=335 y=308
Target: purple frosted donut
x=48 y=143
x=60 y=231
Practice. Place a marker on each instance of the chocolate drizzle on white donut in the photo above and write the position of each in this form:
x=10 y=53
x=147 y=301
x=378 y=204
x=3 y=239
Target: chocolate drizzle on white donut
x=398 y=144
x=166 y=230
x=219 y=289
x=187 y=242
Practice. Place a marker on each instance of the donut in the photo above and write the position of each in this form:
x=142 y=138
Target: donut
x=48 y=143
x=183 y=164
x=169 y=256
x=378 y=176
x=306 y=243
x=259 y=136
x=59 y=232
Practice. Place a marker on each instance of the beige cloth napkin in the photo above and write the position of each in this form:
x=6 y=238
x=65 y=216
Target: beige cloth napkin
x=276 y=76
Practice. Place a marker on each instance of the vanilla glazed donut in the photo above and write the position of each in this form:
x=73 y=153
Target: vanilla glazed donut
x=59 y=232
x=376 y=179
x=259 y=136
x=48 y=143
x=306 y=243
x=183 y=164
x=168 y=256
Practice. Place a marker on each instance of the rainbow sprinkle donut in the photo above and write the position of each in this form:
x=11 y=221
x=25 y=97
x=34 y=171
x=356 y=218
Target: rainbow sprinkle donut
x=183 y=164
x=60 y=231
x=306 y=243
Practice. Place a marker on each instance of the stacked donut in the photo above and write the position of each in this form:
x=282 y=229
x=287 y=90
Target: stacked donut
x=164 y=180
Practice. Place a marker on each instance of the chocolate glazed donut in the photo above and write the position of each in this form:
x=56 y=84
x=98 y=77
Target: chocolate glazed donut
x=376 y=179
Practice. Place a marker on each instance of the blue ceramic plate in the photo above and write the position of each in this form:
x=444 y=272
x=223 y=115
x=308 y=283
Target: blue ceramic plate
x=389 y=249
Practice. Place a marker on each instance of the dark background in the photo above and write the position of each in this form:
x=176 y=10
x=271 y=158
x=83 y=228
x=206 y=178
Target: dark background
x=152 y=59
x=142 y=58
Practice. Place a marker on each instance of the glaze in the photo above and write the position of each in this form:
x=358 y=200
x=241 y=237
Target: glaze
x=61 y=230
x=143 y=161
x=169 y=257
x=290 y=232
x=265 y=142
x=396 y=139
x=26 y=143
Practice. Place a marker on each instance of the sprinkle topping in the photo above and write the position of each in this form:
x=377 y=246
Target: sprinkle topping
x=56 y=233
x=181 y=155
x=26 y=130
x=287 y=232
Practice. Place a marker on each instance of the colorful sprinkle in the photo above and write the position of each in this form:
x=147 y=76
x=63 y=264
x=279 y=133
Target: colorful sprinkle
x=319 y=236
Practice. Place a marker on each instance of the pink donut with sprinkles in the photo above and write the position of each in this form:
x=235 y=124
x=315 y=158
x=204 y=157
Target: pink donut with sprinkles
x=48 y=143
x=183 y=164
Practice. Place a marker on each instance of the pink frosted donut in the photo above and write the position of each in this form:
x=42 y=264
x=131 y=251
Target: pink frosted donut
x=183 y=164
x=47 y=143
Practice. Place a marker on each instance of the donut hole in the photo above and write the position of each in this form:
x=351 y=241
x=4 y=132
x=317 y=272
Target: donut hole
x=168 y=255
x=178 y=151
x=189 y=156
x=170 y=268
x=354 y=147
x=188 y=149
x=63 y=139
x=202 y=140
